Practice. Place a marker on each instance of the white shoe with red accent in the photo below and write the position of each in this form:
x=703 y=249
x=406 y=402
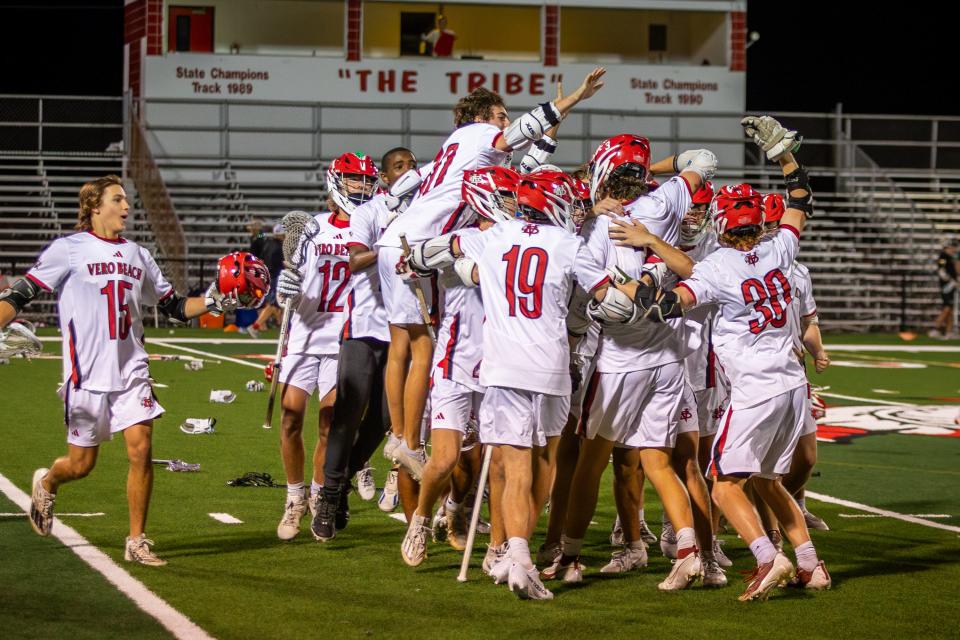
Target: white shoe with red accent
x=817 y=580
x=766 y=577
x=684 y=573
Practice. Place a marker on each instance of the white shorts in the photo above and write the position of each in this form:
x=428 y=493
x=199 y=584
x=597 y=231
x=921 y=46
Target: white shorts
x=687 y=414
x=576 y=400
x=521 y=418
x=636 y=408
x=760 y=440
x=711 y=405
x=309 y=372
x=399 y=298
x=453 y=405
x=809 y=422
x=92 y=417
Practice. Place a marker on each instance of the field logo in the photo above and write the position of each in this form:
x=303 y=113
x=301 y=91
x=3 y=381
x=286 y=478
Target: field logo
x=843 y=424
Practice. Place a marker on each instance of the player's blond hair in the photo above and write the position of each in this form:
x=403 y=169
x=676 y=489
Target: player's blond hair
x=623 y=188
x=91 y=195
x=479 y=103
x=743 y=238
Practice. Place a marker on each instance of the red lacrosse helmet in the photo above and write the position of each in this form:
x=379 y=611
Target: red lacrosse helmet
x=773 y=207
x=581 y=202
x=487 y=190
x=624 y=154
x=546 y=197
x=244 y=274
x=696 y=221
x=737 y=206
x=362 y=173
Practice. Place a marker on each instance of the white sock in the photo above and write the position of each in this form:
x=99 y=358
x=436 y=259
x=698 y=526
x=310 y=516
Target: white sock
x=686 y=538
x=803 y=503
x=450 y=506
x=294 y=489
x=641 y=515
x=520 y=552
x=763 y=550
x=570 y=546
x=636 y=544
x=806 y=556
x=315 y=488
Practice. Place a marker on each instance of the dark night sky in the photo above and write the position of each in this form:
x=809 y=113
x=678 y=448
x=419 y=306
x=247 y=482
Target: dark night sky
x=881 y=61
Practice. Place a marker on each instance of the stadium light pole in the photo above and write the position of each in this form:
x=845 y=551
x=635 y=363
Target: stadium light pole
x=752 y=38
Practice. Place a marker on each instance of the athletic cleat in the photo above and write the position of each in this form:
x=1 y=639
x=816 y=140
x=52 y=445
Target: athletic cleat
x=817 y=580
x=389 y=498
x=366 y=485
x=250 y=331
x=668 y=541
x=646 y=534
x=413 y=549
x=138 y=550
x=718 y=553
x=41 y=504
x=439 y=524
x=324 y=526
x=412 y=461
x=713 y=575
x=625 y=560
x=616 y=534
x=501 y=570
x=815 y=522
x=765 y=578
x=494 y=555
x=569 y=573
x=684 y=573
x=547 y=554
x=289 y=525
x=342 y=517
x=526 y=583
x=391 y=445
x=457 y=529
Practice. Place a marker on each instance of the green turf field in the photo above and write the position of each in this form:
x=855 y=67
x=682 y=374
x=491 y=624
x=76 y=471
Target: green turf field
x=892 y=579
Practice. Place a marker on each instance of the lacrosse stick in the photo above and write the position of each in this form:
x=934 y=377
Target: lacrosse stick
x=475 y=516
x=178 y=465
x=418 y=290
x=19 y=339
x=298 y=227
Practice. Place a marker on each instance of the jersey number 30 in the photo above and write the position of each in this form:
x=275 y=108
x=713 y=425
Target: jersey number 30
x=524 y=280
x=765 y=297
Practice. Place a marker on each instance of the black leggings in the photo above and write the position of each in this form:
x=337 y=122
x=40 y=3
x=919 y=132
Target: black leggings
x=360 y=415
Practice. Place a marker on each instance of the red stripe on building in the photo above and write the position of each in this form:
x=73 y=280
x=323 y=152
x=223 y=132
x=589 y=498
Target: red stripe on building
x=738 y=41
x=551 y=35
x=354 y=29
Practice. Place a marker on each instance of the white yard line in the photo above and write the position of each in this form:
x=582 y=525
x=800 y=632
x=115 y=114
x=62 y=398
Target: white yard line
x=23 y=514
x=215 y=356
x=225 y=518
x=893 y=403
x=174 y=621
x=912 y=515
x=881 y=512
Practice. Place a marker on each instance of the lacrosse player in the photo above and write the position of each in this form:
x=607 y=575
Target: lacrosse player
x=102 y=280
x=310 y=360
x=747 y=278
x=484 y=137
x=359 y=412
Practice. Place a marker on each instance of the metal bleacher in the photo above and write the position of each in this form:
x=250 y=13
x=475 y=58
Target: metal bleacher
x=870 y=248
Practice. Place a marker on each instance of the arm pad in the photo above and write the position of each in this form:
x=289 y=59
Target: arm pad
x=464 y=269
x=532 y=125
x=174 y=306
x=798 y=179
x=20 y=293
x=432 y=254
x=615 y=308
x=656 y=304
x=538 y=154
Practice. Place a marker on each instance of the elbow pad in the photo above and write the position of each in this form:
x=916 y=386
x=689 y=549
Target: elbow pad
x=538 y=155
x=657 y=305
x=799 y=179
x=174 y=306
x=432 y=254
x=532 y=125
x=615 y=308
x=20 y=293
x=464 y=269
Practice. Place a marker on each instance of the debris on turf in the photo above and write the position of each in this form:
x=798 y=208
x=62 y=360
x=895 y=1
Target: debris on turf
x=194 y=426
x=254 y=479
x=222 y=396
x=179 y=465
x=254 y=385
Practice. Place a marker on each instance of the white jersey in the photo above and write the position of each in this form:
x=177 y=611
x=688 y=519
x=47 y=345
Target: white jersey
x=751 y=332
x=460 y=336
x=318 y=318
x=527 y=272
x=700 y=361
x=806 y=306
x=364 y=313
x=643 y=345
x=101 y=285
x=439 y=208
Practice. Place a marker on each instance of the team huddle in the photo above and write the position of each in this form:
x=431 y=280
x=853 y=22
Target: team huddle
x=528 y=324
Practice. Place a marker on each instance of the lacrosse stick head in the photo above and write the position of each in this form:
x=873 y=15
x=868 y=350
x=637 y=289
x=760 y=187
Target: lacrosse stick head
x=19 y=339
x=298 y=227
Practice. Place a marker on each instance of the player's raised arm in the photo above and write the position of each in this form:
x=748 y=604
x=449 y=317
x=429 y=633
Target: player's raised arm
x=532 y=125
x=779 y=145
